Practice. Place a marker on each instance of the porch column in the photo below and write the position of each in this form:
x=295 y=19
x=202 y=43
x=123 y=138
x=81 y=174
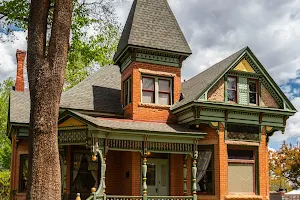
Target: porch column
x=184 y=175
x=194 y=174
x=144 y=172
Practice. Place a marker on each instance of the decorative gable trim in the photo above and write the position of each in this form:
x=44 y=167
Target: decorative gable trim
x=260 y=73
x=244 y=66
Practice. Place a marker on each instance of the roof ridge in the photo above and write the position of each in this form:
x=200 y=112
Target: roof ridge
x=242 y=50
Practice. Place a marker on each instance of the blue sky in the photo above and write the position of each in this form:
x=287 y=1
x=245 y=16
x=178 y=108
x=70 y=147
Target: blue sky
x=215 y=30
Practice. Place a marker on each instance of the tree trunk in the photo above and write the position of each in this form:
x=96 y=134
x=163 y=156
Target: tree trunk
x=46 y=67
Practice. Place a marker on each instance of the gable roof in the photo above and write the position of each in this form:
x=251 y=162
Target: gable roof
x=152 y=24
x=100 y=92
x=199 y=83
x=196 y=86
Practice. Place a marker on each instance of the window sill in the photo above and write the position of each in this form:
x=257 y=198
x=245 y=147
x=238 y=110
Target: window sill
x=152 y=105
x=232 y=142
x=243 y=196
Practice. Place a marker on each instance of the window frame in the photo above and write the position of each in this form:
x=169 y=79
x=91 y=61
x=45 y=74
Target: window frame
x=253 y=162
x=249 y=92
x=212 y=160
x=127 y=98
x=156 y=91
x=21 y=168
x=235 y=91
x=164 y=92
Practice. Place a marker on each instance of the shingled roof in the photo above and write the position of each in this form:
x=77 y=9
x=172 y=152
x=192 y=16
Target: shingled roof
x=152 y=24
x=126 y=124
x=100 y=92
x=199 y=83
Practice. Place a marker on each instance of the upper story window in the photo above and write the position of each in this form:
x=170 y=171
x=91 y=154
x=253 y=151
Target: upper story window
x=253 y=94
x=127 y=91
x=232 y=89
x=242 y=90
x=156 y=90
x=23 y=177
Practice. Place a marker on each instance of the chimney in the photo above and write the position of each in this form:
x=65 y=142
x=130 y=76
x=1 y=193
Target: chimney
x=19 y=85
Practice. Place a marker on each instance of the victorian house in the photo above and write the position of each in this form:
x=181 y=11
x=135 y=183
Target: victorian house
x=134 y=131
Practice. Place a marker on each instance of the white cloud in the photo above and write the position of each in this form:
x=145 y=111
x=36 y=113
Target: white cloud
x=8 y=49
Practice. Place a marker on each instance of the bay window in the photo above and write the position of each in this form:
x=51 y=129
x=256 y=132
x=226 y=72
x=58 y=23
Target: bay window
x=127 y=91
x=156 y=90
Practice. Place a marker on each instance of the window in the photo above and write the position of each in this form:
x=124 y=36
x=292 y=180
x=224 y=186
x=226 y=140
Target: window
x=23 y=178
x=241 y=171
x=231 y=89
x=148 y=90
x=127 y=92
x=253 y=91
x=156 y=90
x=164 y=96
x=204 y=177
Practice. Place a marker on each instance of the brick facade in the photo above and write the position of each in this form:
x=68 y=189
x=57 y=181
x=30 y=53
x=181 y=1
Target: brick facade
x=216 y=93
x=149 y=112
x=266 y=98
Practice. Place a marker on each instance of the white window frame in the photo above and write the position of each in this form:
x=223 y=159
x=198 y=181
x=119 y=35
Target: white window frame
x=156 y=88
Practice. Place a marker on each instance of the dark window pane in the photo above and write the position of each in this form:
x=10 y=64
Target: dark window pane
x=252 y=98
x=148 y=83
x=231 y=83
x=126 y=93
x=151 y=174
x=240 y=154
x=164 y=85
x=148 y=97
x=252 y=86
x=129 y=92
x=23 y=173
x=231 y=95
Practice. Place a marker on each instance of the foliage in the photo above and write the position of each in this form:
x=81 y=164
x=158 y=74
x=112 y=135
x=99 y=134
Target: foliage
x=284 y=165
x=4 y=184
x=5 y=147
x=94 y=33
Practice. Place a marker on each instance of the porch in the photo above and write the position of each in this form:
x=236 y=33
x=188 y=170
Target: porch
x=128 y=165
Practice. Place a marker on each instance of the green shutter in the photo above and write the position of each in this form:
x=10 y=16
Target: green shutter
x=243 y=91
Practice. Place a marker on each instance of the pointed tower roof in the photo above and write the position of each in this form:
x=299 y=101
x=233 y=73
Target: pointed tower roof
x=152 y=24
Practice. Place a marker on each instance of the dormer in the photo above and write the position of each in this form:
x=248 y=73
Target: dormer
x=150 y=55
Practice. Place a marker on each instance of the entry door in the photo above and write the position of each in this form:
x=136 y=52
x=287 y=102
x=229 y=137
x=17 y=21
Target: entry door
x=158 y=177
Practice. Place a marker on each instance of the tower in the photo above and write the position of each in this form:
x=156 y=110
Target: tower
x=150 y=54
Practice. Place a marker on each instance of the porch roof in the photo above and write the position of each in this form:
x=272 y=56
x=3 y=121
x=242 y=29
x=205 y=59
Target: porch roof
x=131 y=125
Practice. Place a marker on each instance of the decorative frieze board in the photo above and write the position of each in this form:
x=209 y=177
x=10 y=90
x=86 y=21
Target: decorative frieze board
x=245 y=74
x=152 y=57
x=72 y=137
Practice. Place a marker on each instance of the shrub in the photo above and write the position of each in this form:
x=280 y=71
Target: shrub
x=4 y=184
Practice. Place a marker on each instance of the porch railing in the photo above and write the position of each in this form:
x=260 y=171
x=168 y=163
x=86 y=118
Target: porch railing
x=118 y=197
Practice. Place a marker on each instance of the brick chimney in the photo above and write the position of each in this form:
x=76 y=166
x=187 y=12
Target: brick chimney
x=19 y=85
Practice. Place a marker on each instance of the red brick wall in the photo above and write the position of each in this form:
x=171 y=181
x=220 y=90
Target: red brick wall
x=18 y=148
x=267 y=99
x=216 y=93
x=138 y=111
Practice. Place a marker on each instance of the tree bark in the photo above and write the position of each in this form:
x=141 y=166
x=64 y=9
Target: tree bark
x=46 y=67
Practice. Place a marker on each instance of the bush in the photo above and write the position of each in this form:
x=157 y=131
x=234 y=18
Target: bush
x=4 y=184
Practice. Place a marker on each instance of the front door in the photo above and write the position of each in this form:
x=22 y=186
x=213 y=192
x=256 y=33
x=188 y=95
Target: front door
x=158 y=177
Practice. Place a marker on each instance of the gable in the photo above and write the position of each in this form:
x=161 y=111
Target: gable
x=248 y=72
x=244 y=66
x=71 y=122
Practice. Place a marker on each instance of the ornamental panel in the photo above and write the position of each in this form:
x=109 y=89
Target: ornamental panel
x=174 y=147
x=66 y=137
x=242 y=132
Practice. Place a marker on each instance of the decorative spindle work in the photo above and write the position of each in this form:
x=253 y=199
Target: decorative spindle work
x=144 y=172
x=194 y=174
x=184 y=176
x=174 y=147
